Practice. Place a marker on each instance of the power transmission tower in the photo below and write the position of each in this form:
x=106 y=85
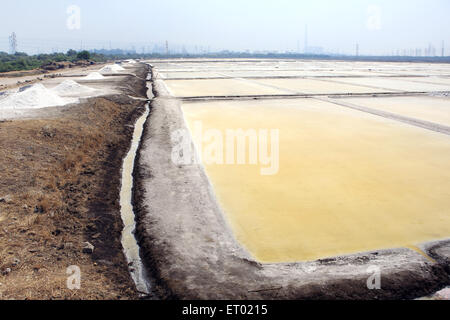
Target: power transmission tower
x=443 y=48
x=13 y=43
x=167 y=47
x=357 y=50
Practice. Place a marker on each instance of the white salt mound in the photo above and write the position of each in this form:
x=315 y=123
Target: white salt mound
x=37 y=96
x=94 y=76
x=7 y=93
x=70 y=87
x=112 y=68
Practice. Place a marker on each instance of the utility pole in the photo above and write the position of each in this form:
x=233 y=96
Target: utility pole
x=13 y=43
x=167 y=47
x=443 y=48
x=357 y=49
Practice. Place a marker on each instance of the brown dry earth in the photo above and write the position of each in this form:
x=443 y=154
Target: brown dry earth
x=15 y=79
x=59 y=187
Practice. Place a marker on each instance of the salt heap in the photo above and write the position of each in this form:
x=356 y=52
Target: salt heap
x=71 y=88
x=112 y=68
x=94 y=76
x=37 y=96
x=7 y=93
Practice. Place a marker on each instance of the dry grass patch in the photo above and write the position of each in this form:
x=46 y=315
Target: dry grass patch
x=55 y=182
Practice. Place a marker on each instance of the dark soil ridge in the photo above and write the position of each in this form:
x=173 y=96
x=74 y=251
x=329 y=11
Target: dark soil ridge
x=159 y=291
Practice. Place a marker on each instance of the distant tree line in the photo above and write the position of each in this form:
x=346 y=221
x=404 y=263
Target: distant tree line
x=118 y=54
x=21 y=61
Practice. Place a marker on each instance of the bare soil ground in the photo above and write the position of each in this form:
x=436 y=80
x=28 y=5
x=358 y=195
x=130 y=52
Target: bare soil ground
x=14 y=79
x=59 y=187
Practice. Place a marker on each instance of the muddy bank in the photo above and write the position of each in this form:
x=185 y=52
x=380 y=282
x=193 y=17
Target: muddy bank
x=60 y=184
x=158 y=289
x=191 y=251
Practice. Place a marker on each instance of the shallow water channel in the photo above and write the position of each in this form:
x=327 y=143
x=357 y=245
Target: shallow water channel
x=129 y=243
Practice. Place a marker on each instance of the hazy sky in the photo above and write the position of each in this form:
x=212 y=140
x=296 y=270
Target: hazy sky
x=379 y=26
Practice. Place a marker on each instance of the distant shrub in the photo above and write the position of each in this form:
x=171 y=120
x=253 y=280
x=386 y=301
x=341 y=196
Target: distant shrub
x=84 y=55
x=22 y=61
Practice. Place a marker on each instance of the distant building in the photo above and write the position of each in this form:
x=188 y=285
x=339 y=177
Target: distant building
x=315 y=50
